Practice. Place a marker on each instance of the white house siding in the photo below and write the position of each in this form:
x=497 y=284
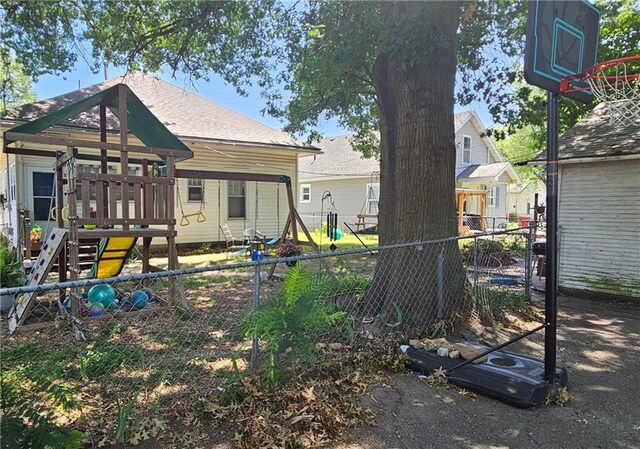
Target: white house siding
x=598 y=219
x=479 y=152
x=209 y=156
x=9 y=213
x=245 y=160
x=348 y=196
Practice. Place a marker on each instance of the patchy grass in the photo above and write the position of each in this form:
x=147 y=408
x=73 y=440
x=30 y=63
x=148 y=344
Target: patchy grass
x=559 y=397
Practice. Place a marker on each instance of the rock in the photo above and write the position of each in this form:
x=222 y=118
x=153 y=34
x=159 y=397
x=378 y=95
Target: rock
x=335 y=346
x=510 y=318
x=433 y=345
x=469 y=350
x=454 y=354
x=443 y=351
x=320 y=346
x=416 y=344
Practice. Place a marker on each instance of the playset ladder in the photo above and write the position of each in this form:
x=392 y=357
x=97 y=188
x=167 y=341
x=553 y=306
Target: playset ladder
x=48 y=254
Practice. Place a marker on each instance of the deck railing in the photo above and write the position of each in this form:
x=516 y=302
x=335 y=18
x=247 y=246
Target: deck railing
x=149 y=202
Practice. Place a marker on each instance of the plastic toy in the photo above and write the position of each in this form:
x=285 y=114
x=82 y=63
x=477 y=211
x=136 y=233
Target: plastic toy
x=103 y=294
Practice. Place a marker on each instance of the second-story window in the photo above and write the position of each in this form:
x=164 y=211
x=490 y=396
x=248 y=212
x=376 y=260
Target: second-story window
x=466 y=150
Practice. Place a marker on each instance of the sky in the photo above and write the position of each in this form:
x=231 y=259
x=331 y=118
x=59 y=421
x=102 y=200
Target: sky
x=217 y=90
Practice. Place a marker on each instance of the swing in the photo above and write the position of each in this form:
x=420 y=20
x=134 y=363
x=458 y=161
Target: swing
x=199 y=215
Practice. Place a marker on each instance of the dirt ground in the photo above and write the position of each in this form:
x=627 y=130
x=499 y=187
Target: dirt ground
x=599 y=343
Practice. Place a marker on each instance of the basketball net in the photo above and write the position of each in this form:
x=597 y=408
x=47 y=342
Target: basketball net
x=617 y=83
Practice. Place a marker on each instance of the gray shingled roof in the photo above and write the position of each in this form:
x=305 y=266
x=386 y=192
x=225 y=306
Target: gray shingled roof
x=339 y=159
x=594 y=136
x=484 y=171
x=186 y=114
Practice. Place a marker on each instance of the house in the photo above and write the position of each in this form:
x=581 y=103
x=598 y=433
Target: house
x=599 y=207
x=220 y=139
x=483 y=178
x=521 y=197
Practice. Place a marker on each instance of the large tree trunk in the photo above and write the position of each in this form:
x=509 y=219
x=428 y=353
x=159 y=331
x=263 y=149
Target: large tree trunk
x=417 y=192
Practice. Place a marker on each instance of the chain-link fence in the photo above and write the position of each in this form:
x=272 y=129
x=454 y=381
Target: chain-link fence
x=173 y=334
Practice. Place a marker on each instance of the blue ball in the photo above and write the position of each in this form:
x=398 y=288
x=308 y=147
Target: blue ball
x=103 y=294
x=139 y=299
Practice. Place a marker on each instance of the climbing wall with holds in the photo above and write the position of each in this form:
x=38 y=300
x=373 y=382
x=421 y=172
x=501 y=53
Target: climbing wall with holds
x=48 y=254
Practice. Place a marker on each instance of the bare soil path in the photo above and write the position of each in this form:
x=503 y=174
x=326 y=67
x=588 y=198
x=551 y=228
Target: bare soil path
x=599 y=343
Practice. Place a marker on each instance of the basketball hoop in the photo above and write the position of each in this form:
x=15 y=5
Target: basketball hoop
x=616 y=82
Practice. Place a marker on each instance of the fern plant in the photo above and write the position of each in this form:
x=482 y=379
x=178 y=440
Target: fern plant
x=293 y=319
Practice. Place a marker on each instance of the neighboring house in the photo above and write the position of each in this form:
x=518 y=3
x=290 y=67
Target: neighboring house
x=221 y=140
x=521 y=197
x=482 y=174
x=599 y=207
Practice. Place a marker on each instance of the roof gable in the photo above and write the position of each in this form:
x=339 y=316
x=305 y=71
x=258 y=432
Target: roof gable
x=185 y=114
x=595 y=137
x=140 y=121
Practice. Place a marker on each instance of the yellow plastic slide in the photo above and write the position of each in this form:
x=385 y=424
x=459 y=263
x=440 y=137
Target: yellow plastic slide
x=112 y=255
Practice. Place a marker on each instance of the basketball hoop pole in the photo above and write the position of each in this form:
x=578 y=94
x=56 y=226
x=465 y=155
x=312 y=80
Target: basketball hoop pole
x=551 y=285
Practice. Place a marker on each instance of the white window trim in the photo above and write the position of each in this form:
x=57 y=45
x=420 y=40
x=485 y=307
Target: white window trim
x=237 y=196
x=464 y=136
x=190 y=186
x=492 y=197
x=302 y=188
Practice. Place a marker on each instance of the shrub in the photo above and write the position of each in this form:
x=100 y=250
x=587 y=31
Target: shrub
x=293 y=319
x=11 y=274
x=288 y=249
x=489 y=253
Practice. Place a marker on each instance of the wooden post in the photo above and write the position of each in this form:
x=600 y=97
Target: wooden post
x=292 y=215
x=124 y=155
x=62 y=258
x=285 y=230
x=171 y=241
x=74 y=257
x=460 y=198
x=103 y=159
x=483 y=208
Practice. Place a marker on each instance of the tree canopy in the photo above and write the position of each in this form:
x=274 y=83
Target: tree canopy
x=15 y=85
x=320 y=53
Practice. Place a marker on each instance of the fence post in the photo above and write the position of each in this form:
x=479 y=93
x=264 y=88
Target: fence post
x=256 y=303
x=475 y=263
x=527 y=261
x=440 y=281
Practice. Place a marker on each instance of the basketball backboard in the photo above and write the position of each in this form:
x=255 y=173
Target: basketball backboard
x=562 y=39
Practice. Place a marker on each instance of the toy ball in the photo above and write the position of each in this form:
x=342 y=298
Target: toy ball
x=96 y=309
x=139 y=299
x=338 y=234
x=152 y=296
x=103 y=294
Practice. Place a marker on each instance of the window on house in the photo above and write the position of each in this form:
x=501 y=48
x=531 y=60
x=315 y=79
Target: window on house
x=42 y=195
x=373 y=198
x=237 y=199
x=12 y=182
x=305 y=193
x=494 y=196
x=195 y=189
x=466 y=149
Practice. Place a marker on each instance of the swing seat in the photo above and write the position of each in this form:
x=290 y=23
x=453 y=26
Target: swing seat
x=273 y=241
x=200 y=218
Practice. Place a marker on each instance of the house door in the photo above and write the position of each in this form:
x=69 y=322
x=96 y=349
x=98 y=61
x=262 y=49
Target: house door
x=41 y=191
